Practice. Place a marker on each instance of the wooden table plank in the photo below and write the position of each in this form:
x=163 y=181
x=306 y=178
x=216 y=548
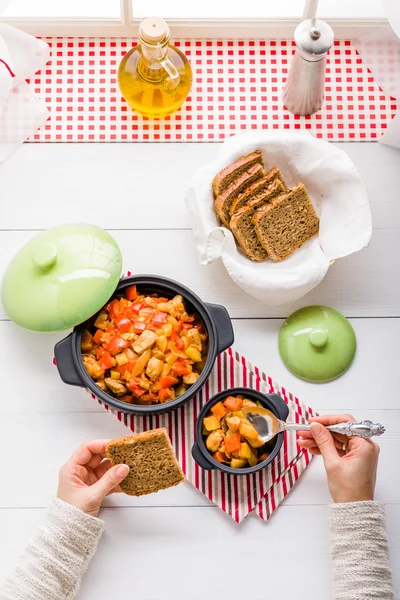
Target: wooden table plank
x=372 y=382
x=53 y=437
x=167 y=553
x=137 y=190
x=361 y=285
x=142 y=186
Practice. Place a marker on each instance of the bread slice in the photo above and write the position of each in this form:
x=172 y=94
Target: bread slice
x=151 y=459
x=259 y=186
x=241 y=222
x=224 y=178
x=223 y=201
x=286 y=223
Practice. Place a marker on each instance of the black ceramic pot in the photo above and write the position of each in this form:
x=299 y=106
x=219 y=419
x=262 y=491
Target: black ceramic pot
x=216 y=322
x=272 y=402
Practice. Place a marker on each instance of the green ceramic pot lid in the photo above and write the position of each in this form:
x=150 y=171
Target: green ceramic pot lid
x=61 y=277
x=317 y=343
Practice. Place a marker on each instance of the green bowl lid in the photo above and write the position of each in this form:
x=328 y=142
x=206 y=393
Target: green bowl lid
x=61 y=277
x=317 y=343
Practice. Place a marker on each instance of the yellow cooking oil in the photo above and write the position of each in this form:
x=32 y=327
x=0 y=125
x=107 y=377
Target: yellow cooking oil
x=154 y=77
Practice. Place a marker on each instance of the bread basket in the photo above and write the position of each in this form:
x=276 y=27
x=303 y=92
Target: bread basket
x=338 y=195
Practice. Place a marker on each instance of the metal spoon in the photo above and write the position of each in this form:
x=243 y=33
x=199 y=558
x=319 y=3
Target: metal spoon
x=268 y=426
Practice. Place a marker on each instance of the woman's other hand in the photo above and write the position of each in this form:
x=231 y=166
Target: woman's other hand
x=87 y=477
x=350 y=462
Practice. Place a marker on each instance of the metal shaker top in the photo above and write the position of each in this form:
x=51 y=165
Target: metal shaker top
x=313 y=39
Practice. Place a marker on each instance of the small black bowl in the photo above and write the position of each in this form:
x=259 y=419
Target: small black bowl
x=272 y=402
x=214 y=317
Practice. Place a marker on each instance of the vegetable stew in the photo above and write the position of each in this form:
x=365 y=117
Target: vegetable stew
x=145 y=349
x=238 y=445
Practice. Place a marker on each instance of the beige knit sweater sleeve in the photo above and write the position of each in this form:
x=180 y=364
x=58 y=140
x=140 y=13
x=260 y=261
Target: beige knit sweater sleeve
x=53 y=564
x=360 y=552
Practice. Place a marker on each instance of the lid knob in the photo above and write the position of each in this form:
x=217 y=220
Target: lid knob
x=45 y=256
x=318 y=337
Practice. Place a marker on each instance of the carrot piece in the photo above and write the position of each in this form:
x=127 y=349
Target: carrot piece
x=131 y=292
x=97 y=336
x=219 y=410
x=164 y=395
x=263 y=456
x=232 y=403
x=123 y=304
x=167 y=382
x=126 y=398
x=232 y=442
x=219 y=456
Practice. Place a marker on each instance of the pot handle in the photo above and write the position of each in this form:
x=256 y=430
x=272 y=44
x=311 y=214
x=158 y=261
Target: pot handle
x=199 y=458
x=65 y=363
x=223 y=322
x=280 y=405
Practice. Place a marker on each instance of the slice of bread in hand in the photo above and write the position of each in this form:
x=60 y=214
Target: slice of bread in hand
x=151 y=459
x=225 y=177
x=286 y=223
x=257 y=187
x=241 y=222
x=223 y=201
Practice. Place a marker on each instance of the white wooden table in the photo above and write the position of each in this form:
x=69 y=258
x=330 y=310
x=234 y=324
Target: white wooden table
x=154 y=546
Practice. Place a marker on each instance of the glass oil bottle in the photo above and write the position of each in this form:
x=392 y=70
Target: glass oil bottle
x=154 y=77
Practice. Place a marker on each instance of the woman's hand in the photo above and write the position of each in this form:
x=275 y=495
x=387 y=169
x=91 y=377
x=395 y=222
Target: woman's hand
x=87 y=477
x=350 y=462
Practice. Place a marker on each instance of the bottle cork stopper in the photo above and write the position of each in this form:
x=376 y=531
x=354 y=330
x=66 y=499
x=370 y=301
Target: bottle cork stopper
x=153 y=30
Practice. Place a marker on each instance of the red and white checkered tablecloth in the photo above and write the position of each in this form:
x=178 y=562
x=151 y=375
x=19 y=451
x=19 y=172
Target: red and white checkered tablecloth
x=237 y=86
x=238 y=496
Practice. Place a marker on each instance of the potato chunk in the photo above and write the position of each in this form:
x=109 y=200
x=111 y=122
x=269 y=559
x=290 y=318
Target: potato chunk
x=247 y=403
x=248 y=431
x=161 y=343
x=193 y=354
x=101 y=384
x=86 y=342
x=102 y=321
x=211 y=423
x=238 y=463
x=245 y=451
x=257 y=443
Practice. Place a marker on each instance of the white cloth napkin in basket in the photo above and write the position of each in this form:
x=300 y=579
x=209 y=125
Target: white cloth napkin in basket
x=335 y=188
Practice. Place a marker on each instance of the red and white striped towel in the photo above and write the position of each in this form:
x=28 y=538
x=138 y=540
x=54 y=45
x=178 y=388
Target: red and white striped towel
x=236 y=495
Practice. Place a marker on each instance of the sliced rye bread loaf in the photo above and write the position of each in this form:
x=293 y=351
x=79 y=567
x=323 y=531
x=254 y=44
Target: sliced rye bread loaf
x=224 y=178
x=257 y=187
x=241 y=222
x=286 y=223
x=223 y=201
x=151 y=459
